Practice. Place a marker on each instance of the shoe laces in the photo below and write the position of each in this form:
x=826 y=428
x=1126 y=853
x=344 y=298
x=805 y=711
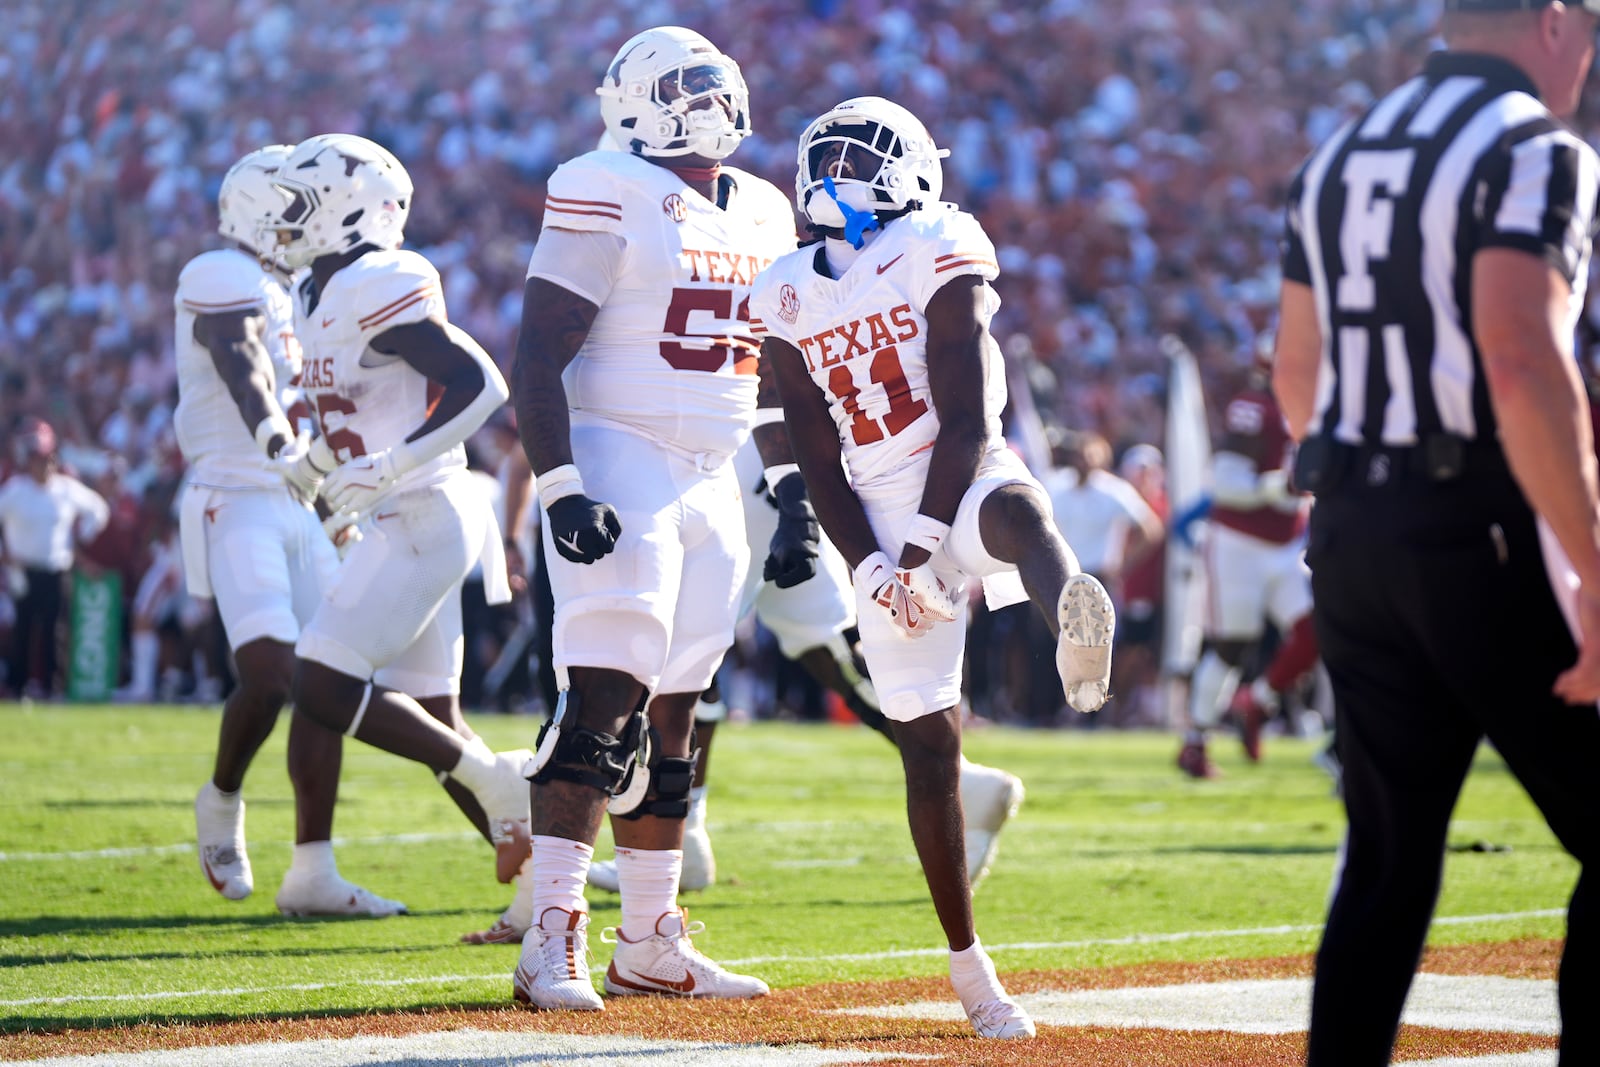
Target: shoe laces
x=565 y=952
x=993 y=1014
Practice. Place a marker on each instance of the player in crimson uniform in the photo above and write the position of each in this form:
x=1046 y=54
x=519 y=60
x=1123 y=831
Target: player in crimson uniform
x=1255 y=570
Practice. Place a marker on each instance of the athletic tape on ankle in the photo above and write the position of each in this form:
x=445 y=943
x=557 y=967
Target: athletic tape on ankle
x=558 y=482
x=927 y=532
x=361 y=711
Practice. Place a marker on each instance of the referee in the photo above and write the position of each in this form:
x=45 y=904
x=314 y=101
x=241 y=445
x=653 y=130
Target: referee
x=1435 y=265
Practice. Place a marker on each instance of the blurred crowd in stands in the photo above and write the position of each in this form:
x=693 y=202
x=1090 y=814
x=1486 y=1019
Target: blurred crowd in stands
x=1129 y=161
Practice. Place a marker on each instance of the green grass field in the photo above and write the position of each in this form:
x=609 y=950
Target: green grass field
x=105 y=918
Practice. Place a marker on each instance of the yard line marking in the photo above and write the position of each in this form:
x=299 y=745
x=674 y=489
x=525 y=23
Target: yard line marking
x=1135 y=939
x=166 y=850
x=1018 y=946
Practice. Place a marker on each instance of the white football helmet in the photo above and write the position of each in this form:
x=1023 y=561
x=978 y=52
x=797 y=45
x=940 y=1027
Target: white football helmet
x=879 y=155
x=669 y=92
x=337 y=191
x=246 y=199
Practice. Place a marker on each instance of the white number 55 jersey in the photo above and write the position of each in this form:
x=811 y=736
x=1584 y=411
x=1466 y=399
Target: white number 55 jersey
x=671 y=352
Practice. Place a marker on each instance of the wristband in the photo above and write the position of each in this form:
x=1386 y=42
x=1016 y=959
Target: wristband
x=768 y=416
x=927 y=532
x=778 y=472
x=558 y=482
x=274 y=425
x=872 y=571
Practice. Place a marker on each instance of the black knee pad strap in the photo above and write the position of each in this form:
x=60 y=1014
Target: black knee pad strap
x=586 y=757
x=670 y=780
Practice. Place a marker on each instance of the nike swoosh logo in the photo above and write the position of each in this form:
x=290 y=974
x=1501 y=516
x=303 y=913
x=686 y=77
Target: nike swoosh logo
x=685 y=985
x=216 y=883
x=329 y=322
x=385 y=515
x=881 y=266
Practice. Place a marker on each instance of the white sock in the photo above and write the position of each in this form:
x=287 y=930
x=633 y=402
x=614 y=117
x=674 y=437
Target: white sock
x=476 y=768
x=696 y=819
x=146 y=647
x=973 y=976
x=557 y=870
x=1211 y=689
x=648 y=882
x=221 y=799
x=314 y=859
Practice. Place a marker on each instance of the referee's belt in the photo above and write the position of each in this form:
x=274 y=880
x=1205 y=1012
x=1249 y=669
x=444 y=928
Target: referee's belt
x=1324 y=463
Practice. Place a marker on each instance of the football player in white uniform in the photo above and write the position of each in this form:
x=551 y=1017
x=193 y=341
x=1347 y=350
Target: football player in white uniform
x=250 y=544
x=811 y=621
x=397 y=389
x=635 y=383
x=879 y=338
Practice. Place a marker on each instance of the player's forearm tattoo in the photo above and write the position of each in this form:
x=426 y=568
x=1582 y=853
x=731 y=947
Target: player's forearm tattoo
x=554 y=329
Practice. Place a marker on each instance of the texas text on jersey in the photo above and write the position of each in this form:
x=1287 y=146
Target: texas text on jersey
x=870 y=358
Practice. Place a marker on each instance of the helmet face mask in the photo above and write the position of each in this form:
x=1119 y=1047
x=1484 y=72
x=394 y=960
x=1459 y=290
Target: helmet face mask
x=247 y=198
x=336 y=192
x=669 y=92
x=877 y=156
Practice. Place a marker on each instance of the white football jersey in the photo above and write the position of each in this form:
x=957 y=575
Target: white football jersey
x=671 y=352
x=220 y=449
x=367 y=401
x=864 y=338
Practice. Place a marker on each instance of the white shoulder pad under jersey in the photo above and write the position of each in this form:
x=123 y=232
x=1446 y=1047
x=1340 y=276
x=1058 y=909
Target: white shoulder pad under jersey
x=219 y=447
x=671 y=352
x=864 y=338
x=367 y=400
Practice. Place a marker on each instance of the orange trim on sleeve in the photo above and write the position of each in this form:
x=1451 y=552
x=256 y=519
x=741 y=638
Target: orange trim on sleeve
x=394 y=309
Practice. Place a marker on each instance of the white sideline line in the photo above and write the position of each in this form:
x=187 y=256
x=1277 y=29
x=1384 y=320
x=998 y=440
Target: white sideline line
x=1017 y=946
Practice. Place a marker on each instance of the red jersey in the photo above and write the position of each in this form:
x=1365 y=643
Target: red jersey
x=1255 y=428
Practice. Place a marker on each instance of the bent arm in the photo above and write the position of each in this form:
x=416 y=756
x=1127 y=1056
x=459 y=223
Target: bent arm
x=960 y=349
x=472 y=385
x=1520 y=320
x=815 y=442
x=240 y=355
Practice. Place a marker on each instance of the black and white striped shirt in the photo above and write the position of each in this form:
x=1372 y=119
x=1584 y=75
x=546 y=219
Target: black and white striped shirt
x=1384 y=220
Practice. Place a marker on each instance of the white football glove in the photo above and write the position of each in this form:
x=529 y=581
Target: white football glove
x=342 y=530
x=304 y=463
x=355 y=485
x=929 y=593
x=875 y=576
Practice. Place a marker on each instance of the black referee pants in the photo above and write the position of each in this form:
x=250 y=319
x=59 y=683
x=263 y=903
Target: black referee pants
x=1439 y=628
x=38 y=621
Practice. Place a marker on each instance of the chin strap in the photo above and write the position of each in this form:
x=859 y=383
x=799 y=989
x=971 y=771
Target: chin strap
x=856 y=223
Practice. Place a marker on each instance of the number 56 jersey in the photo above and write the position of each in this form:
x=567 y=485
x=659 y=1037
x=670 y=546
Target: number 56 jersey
x=671 y=353
x=864 y=338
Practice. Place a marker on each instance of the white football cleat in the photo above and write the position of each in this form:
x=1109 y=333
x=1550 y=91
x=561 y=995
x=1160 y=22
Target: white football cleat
x=309 y=895
x=667 y=963
x=989 y=796
x=553 y=973
x=507 y=805
x=219 y=829
x=1002 y=1018
x=991 y=1012
x=515 y=920
x=1083 y=649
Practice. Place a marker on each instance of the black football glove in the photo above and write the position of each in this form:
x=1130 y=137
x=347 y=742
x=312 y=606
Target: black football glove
x=584 y=530
x=792 y=557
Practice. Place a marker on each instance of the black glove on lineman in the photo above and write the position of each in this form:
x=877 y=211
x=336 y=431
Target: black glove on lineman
x=584 y=530
x=792 y=557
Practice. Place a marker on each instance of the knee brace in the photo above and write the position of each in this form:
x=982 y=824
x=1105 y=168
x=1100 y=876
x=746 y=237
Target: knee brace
x=667 y=782
x=569 y=752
